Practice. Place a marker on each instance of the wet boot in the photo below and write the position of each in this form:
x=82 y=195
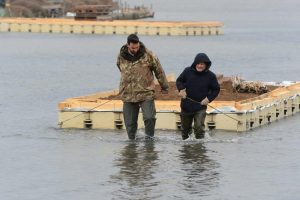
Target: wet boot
x=185 y=136
x=131 y=128
x=149 y=128
x=131 y=131
x=131 y=112
x=186 y=126
x=199 y=127
x=199 y=135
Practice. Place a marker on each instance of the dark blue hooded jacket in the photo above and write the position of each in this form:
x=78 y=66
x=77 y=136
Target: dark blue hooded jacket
x=198 y=85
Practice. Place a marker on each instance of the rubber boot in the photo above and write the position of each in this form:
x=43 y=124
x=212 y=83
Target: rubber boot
x=131 y=131
x=199 y=127
x=149 y=128
x=186 y=126
x=184 y=136
x=131 y=112
x=199 y=135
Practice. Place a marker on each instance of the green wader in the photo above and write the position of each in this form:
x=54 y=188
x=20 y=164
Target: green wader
x=187 y=121
x=131 y=113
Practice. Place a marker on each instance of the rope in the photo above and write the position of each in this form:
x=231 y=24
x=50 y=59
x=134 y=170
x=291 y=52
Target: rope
x=61 y=123
x=215 y=109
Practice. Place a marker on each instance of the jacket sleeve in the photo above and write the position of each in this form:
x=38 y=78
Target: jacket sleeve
x=159 y=73
x=118 y=62
x=180 y=81
x=214 y=88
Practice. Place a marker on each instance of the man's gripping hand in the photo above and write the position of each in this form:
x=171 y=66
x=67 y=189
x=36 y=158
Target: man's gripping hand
x=182 y=93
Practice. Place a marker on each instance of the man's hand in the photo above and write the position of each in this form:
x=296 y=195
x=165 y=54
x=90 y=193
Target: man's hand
x=204 y=102
x=182 y=93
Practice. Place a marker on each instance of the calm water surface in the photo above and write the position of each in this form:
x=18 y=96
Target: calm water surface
x=41 y=161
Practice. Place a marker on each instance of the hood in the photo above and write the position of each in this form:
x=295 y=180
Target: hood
x=201 y=57
x=127 y=56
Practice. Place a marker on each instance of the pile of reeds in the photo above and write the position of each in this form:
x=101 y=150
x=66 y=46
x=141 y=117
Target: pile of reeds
x=243 y=86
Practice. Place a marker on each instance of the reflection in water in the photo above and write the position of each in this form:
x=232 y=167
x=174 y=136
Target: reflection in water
x=201 y=174
x=137 y=164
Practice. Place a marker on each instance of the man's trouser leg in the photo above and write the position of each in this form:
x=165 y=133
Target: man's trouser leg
x=131 y=113
x=186 y=124
x=149 y=112
x=199 y=126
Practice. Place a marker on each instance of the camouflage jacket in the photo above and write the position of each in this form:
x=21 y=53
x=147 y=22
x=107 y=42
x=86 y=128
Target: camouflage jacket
x=137 y=80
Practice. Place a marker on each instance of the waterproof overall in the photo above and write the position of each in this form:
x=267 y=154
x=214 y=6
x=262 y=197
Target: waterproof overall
x=131 y=112
x=187 y=121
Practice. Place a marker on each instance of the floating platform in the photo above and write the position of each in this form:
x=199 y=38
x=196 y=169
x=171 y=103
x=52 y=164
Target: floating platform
x=99 y=112
x=115 y=27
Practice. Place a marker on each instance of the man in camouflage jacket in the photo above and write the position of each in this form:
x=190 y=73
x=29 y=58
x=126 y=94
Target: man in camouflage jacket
x=137 y=65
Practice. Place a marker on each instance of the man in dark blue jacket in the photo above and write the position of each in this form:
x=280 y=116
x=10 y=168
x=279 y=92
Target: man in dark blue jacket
x=197 y=86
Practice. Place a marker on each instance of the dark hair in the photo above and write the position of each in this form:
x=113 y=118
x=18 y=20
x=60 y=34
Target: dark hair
x=132 y=38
